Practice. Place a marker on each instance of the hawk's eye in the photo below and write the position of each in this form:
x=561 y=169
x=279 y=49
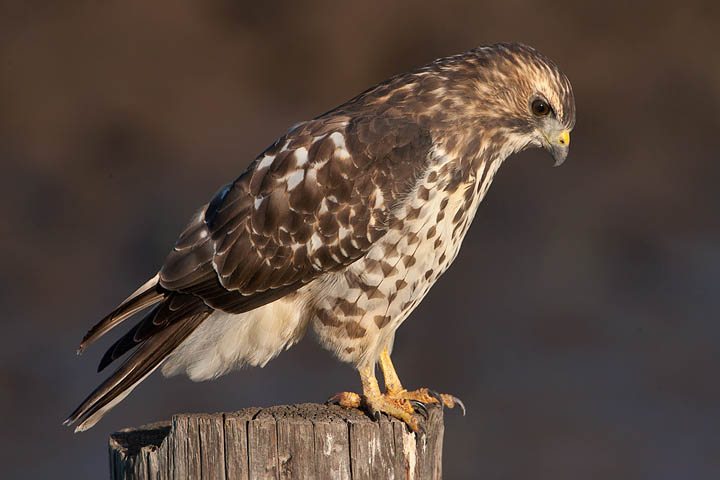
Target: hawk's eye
x=540 y=108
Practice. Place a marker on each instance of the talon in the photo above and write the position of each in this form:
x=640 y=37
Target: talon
x=459 y=402
x=377 y=415
x=417 y=405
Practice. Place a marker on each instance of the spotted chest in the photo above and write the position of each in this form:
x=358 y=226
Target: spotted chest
x=359 y=309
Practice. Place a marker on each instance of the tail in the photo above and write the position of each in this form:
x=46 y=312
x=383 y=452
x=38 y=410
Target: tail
x=155 y=336
x=149 y=294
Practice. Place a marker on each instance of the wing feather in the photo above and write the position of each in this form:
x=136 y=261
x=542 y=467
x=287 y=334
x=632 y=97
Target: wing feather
x=312 y=203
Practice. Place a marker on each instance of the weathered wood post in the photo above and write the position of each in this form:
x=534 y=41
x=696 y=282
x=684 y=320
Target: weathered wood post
x=307 y=441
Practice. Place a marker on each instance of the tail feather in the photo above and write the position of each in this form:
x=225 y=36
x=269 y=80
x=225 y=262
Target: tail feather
x=175 y=307
x=145 y=296
x=149 y=355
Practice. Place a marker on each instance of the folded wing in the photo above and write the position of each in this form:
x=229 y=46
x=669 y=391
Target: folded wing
x=312 y=203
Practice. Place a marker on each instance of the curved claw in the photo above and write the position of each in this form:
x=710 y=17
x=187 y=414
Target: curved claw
x=443 y=400
x=459 y=402
x=419 y=406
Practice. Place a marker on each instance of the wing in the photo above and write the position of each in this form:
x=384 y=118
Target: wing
x=313 y=203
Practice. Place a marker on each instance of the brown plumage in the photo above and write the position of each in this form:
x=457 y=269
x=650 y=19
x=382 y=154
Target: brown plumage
x=344 y=223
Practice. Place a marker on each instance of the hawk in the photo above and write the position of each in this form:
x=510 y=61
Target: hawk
x=342 y=225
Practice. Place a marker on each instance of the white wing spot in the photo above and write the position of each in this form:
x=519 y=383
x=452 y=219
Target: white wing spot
x=294 y=179
x=301 y=156
x=341 y=149
x=379 y=199
x=338 y=139
x=265 y=162
x=315 y=242
x=258 y=202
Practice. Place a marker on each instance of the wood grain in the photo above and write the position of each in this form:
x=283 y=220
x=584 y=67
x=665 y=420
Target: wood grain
x=306 y=441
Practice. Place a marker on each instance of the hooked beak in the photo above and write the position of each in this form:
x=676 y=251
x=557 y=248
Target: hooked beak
x=558 y=144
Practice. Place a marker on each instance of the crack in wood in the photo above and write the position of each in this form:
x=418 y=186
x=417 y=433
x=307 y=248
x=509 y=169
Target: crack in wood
x=283 y=442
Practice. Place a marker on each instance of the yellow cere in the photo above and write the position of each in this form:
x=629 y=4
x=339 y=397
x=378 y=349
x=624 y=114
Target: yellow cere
x=564 y=138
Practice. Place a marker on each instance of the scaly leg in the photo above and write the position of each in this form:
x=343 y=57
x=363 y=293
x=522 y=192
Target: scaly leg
x=375 y=402
x=397 y=401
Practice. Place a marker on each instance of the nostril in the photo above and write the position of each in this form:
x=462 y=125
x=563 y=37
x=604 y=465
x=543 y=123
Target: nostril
x=563 y=139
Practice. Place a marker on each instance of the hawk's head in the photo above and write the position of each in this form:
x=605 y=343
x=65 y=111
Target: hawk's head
x=492 y=100
x=522 y=95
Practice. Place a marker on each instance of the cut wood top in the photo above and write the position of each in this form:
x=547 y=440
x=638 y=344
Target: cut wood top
x=281 y=442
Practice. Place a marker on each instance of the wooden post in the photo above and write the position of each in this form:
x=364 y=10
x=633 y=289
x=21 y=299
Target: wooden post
x=307 y=441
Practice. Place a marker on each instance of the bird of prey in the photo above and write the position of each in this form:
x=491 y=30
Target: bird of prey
x=342 y=225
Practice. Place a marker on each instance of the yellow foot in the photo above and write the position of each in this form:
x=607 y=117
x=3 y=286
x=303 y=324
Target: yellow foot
x=384 y=403
x=403 y=405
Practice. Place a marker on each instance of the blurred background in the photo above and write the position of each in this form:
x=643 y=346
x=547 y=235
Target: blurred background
x=579 y=323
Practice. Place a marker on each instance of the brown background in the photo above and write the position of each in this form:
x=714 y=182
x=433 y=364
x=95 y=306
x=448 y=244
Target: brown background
x=579 y=323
